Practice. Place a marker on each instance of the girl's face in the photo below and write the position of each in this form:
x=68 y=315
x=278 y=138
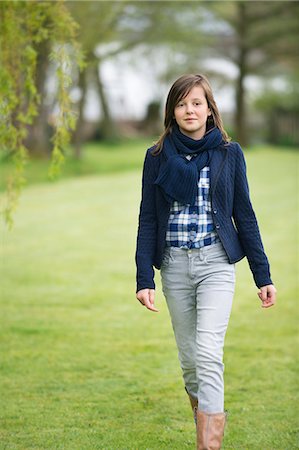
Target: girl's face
x=192 y=112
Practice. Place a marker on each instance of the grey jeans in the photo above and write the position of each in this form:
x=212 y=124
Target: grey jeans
x=198 y=285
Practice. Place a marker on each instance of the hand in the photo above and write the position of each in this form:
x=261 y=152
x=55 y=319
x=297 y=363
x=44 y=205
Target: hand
x=147 y=298
x=267 y=295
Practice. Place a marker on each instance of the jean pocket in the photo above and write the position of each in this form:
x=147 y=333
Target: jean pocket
x=218 y=256
x=165 y=260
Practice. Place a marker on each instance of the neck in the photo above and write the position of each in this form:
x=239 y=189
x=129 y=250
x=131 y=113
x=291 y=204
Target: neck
x=196 y=136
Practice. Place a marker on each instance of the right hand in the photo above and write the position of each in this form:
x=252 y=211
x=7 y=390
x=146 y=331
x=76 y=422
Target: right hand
x=147 y=298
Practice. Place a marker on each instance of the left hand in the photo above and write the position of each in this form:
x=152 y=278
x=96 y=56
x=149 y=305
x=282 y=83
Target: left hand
x=267 y=295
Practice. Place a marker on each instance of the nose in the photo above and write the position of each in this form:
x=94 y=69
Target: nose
x=189 y=108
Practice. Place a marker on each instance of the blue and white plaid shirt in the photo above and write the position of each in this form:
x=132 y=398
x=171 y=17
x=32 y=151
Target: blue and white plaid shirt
x=192 y=226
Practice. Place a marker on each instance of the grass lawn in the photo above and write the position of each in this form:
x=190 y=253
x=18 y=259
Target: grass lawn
x=97 y=158
x=84 y=366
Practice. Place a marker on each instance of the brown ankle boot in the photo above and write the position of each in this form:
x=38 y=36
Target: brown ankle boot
x=210 y=430
x=194 y=405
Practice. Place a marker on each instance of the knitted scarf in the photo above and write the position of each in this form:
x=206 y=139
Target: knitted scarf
x=178 y=176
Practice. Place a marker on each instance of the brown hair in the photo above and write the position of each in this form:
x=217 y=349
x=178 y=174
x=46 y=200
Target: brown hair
x=179 y=90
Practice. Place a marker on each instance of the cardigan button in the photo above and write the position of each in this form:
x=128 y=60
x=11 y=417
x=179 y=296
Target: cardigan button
x=217 y=225
x=215 y=211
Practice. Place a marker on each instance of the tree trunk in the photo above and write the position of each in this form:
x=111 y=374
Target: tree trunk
x=240 y=112
x=39 y=133
x=78 y=134
x=108 y=130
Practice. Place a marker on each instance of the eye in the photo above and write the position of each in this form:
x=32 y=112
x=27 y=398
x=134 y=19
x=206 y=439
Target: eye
x=179 y=105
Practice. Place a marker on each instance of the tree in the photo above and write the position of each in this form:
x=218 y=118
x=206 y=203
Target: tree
x=281 y=107
x=29 y=32
x=99 y=24
x=110 y=28
x=262 y=39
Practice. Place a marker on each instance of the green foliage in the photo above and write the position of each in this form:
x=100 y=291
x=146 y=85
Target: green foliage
x=24 y=25
x=65 y=120
x=84 y=366
x=286 y=99
x=266 y=32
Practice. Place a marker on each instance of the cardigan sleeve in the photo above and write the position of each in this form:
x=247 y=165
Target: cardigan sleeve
x=147 y=227
x=247 y=226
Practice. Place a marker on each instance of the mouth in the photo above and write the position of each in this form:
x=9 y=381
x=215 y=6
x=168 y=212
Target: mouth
x=189 y=119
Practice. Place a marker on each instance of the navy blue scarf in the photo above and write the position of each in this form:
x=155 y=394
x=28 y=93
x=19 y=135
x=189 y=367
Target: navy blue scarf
x=178 y=176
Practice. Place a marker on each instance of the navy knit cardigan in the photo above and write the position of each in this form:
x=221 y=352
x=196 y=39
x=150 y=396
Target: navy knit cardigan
x=232 y=212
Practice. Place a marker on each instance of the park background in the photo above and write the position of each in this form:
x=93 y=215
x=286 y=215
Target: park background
x=83 y=84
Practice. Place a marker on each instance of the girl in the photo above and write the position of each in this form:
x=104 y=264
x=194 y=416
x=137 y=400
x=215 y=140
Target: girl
x=196 y=221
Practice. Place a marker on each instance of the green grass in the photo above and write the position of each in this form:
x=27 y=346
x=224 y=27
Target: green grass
x=84 y=366
x=97 y=158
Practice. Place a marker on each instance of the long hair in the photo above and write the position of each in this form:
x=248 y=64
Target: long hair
x=179 y=90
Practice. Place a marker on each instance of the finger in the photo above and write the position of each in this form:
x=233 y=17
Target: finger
x=152 y=293
x=140 y=298
x=150 y=306
x=270 y=301
x=272 y=296
x=146 y=298
x=263 y=294
x=267 y=305
x=152 y=296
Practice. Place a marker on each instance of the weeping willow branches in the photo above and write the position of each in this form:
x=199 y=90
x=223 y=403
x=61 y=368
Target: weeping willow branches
x=25 y=26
